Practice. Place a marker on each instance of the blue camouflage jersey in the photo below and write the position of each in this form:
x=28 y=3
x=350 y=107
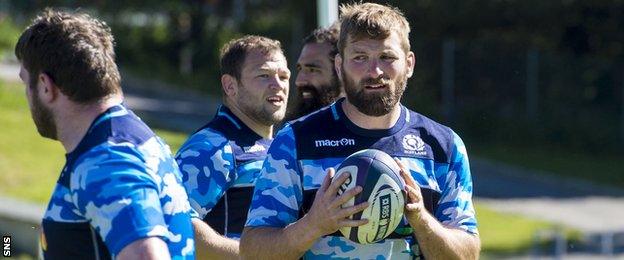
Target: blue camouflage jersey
x=119 y=185
x=302 y=152
x=219 y=165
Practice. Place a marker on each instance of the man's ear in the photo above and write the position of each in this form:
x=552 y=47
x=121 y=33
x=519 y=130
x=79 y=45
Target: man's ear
x=47 y=90
x=229 y=85
x=338 y=66
x=411 y=63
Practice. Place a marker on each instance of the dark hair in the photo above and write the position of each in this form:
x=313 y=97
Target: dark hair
x=373 y=21
x=234 y=52
x=325 y=35
x=75 y=50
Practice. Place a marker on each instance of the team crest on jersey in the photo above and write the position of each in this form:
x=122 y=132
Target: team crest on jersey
x=414 y=145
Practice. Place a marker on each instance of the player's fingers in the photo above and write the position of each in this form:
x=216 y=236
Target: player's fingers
x=412 y=207
x=349 y=211
x=413 y=194
x=345 y=196
x=409 y=180
x=326 y=181
x=332 y=190
x=352 y=223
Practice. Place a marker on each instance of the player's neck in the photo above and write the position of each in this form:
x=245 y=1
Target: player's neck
x=362 y=120
x=74 y=122
x=258 y=128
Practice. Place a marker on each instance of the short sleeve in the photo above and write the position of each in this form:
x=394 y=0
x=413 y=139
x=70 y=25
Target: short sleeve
x=113 y=189
x=455 y=207
x=278 y=192
x=207 y=164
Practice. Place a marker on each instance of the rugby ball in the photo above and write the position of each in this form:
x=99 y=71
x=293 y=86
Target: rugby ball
x=382 y=186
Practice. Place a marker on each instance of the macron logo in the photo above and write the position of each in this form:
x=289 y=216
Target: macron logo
x=334 y=143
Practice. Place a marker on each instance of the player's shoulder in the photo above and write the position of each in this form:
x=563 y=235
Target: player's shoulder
x=419 y=121
x=206 y=138
x=422 y=129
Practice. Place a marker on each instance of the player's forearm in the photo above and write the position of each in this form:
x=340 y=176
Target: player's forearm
x=439 y=242
x=211 y=245
x=290 y=242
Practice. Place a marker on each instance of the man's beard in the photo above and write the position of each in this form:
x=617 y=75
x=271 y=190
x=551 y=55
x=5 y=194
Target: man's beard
x=259 y=112
x=319 y=98
x=378 y=103
x=42 y=116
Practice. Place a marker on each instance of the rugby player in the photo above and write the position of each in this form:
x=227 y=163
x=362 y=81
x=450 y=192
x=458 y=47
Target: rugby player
x=298 y=210
x=221 y=160
x=119 y=194
x=316 y=83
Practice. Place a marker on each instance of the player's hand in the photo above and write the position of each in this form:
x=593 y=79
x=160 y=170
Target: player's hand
x=414 y=205
x=327 y=214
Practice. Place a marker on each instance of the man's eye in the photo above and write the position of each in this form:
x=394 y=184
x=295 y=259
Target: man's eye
x=359 y=58
x=388 y=58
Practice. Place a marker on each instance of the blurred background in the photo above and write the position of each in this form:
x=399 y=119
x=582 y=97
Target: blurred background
x=535 y=88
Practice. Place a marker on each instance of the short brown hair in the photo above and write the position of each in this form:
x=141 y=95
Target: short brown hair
x=325 y=35
x=75 y=50
x=373 y=21
x=234 y=52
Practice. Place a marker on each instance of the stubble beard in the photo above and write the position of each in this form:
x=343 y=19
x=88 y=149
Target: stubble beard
x=259 y=112
x=42 y=116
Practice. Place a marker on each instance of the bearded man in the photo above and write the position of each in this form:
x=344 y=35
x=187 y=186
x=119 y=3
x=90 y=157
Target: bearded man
x=316 y=83
x=296 y=204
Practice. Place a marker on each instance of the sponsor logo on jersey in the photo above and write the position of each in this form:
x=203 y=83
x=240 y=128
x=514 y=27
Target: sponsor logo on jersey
x=334 y=143
x=414 y=145
x=254 y=148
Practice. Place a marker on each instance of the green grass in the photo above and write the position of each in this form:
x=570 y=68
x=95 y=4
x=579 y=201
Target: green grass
x=503 y=233
x=605 y=169
x=30 y=164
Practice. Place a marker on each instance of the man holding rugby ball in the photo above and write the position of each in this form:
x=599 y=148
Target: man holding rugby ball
x=297 y=209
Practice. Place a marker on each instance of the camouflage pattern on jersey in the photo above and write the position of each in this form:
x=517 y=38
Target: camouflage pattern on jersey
x=126 y=190
x=284 y=178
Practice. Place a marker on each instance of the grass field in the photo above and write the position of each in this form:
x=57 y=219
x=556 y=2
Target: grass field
x=29 y=167
x=604 y=169
x=29 y=164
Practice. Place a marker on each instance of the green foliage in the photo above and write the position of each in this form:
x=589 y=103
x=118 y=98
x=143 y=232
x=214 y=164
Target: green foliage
x=9 y=33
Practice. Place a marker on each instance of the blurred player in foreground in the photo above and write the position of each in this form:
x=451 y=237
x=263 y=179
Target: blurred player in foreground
x=295 y=207
x=221 y=160
x=120 y=193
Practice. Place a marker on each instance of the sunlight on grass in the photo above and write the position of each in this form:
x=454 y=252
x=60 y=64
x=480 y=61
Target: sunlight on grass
x=503 y=233
x=30 y=165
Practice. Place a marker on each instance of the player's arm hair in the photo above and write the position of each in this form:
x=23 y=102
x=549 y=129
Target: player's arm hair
x=146 y=248
x=290 y=242
x=439 y=242
x=211 y=245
